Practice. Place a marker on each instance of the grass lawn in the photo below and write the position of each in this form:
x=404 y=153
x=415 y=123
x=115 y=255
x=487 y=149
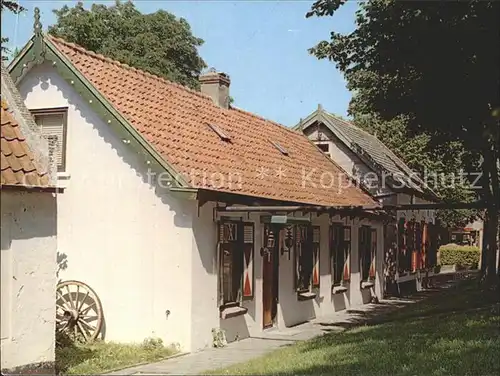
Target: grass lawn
x=453 y=332
x=99 y=357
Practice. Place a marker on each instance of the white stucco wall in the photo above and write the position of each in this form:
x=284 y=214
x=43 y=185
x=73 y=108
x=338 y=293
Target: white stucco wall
x=291 y=311
x=145 y=252
x=28 y=262
x=126 y=239
x=204 y=298
x=477 y=225
x=348 y=160
x=205 y=301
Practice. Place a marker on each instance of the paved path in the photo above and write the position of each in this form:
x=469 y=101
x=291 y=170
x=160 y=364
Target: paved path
x=254 y=347
x=244 y=350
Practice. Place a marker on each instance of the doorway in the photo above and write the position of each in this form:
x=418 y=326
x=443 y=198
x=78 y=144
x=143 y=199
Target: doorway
x=270 y=275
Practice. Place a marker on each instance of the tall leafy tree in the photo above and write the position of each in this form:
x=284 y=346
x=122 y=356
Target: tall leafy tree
x=158 y=42
x=437 y=64
x=11 y=6
x=439 y=165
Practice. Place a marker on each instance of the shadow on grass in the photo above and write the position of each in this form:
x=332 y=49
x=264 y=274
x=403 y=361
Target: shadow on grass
x=449 y=345
x=464 y=296
x=452 y=332
x=371 y=314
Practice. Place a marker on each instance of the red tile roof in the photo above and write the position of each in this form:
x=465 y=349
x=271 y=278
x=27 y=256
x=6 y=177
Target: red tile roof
x=18 y=167
x=175 y=121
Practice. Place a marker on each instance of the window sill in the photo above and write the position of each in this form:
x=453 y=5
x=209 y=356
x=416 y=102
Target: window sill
x=339 y=290
x=367 y=284
x=405 y=277
x=63 y=179
x=306 y=295
x=232 y=311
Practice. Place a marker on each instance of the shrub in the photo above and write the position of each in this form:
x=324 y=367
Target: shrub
x=218 y=338
x=152 y=343
x=459 y=255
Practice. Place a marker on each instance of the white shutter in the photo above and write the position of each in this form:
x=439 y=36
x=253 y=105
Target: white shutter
x=53 y=129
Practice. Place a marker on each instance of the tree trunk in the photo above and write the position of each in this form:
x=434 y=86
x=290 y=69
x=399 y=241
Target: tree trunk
x=498 y=251
x=490 y=253
x=484 y=245
x=490 y=195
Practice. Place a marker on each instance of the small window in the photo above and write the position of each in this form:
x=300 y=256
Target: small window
x=315 y=251
x=416 y=259
x=340 y=250
x=365 y=251
x=54 y=123
x=304 y=257
x=281 y=149
x=236 y=244
x=433 y=235
x=325 y=148
x=404 y=241
x=223 y=136
x=373 y=254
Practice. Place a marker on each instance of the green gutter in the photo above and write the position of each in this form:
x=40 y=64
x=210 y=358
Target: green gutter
x=30 y=56
x=117 y=116
x=185 y=193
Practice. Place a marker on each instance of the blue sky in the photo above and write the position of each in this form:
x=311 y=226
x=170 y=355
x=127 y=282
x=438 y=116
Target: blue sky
x=262 y=45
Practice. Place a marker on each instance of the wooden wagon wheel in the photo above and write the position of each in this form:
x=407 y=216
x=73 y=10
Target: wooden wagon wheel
x=78 y=311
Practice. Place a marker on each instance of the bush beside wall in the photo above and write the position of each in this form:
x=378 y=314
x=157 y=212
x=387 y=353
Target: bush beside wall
x=459 y=255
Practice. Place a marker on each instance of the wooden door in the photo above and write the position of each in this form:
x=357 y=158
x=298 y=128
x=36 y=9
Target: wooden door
x=269 y=276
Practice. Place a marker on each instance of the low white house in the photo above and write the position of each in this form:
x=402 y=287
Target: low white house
x=187 y=216
x=471 y=234
x=28 y=240
x=410 y=242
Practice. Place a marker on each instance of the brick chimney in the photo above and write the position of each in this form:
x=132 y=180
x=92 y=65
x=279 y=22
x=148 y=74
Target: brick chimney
x=216 y=85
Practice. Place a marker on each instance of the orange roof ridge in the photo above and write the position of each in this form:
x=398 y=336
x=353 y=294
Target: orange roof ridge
x=126 y=66
x=173 y=118
x=162 y=79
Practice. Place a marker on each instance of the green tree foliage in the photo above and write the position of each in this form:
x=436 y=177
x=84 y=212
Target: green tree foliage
x=158 y=42
x=437 y=64
x=14 y=7
x=439 y=165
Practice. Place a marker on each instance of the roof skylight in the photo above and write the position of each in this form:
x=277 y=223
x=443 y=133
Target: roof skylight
x=281 y=149
x=223 y=136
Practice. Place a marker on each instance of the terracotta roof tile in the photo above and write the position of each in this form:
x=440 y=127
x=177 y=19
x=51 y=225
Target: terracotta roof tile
x=175 y=121
x=18 y=167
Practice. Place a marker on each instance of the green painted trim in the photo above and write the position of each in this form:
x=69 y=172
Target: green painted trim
x=184 y=193
x=184 y=189
x=21 y=64
x=283 y=220
x=326 y=119
x=21 y=53
x=98 y=103
x=319 y=116
x=305 y=122
x=131 y=130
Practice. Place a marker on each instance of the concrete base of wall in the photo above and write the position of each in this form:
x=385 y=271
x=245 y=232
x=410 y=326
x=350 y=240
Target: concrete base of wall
x=407 y=288
x=43 y=368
